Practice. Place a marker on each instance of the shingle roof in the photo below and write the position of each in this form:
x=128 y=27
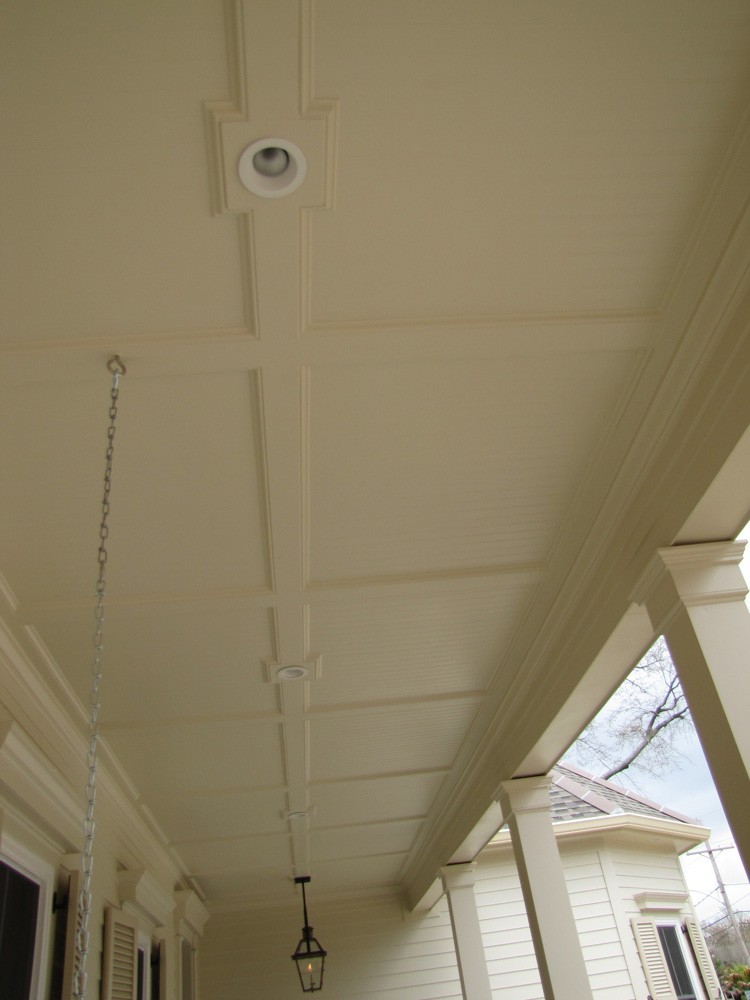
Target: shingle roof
x=575 y=794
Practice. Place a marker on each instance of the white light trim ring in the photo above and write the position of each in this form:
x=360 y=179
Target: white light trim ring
x=291 y=673
x=272 y=186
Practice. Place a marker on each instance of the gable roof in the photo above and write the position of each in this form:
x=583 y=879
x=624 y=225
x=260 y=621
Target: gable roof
x=576 y=794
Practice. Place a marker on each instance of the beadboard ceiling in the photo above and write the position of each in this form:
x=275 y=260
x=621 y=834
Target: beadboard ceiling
x=415 y=426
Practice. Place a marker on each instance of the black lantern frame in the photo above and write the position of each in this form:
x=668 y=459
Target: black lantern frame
x=310 y=956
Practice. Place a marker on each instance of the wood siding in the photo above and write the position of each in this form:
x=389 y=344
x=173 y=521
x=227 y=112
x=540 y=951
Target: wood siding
x=374 y=951
x=378 y=953
x=507 y=938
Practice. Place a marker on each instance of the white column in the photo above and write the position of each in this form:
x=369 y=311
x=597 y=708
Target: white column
x=695 y=597
x=458 y=881
x=526 y=805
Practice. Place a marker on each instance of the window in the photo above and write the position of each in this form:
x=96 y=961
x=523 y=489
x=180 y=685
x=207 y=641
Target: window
x=156 y=970
x=26 y=882
x=676 y=964
x=19 y=911
x=65 y=956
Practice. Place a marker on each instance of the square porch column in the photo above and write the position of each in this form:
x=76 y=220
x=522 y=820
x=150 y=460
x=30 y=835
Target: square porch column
x=525 y=803
x=458 y=882
x=695 y=597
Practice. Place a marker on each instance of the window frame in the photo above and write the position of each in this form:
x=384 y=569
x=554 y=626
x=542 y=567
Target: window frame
x=24 y=861
x=143 y=946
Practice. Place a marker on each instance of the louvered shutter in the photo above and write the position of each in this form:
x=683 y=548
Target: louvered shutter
x=652 y=959
x=702 y=957
x=120 y=970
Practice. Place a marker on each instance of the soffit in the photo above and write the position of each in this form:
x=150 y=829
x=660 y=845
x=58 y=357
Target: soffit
x=357 y=424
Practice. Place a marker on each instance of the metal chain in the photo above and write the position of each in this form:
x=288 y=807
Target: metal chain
x=116 y=369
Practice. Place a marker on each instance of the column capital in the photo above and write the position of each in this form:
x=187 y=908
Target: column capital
x=523 y=795
x=707 y=572
x=460 y=876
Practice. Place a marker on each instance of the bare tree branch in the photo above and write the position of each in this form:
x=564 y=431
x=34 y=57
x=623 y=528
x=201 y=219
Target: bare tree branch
x=638 y=725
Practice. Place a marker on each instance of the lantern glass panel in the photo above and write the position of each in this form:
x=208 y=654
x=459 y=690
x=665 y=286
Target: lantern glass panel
x=310 y=969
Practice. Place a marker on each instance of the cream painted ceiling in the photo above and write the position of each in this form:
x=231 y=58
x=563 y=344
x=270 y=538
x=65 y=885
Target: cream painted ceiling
x=405 y=426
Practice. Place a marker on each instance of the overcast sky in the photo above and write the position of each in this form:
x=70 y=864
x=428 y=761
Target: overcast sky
x=691 y=791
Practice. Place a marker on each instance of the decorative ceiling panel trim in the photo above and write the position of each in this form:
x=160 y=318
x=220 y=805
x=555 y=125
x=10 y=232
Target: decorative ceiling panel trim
x=233 y=109
x=530 y=572
x=311 y=106
x=103 y=346
x=185 y=722
x=29 y=611
x=390 y=821
x=259 y=107
x=380 y=705
x=460 y=322
x=372 y=856
x=246 y=235
x=233 y=124
x=173 y=354
x=382 y=775
x=305 y=434
x=258 y=423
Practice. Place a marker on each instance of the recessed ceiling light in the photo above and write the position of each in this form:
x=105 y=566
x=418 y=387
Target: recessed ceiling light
x=271 y=161
x=291 y=673
x=272 y=168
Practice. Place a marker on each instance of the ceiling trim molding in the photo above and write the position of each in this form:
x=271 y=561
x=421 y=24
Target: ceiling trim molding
x=32 y=778
x=54 y=738
x=533 y=572
x=489 y=321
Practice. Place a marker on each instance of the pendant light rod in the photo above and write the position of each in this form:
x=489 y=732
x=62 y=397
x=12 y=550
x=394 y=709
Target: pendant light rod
x=303 y=880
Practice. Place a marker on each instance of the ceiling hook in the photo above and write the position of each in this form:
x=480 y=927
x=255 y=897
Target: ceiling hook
x=115 y=366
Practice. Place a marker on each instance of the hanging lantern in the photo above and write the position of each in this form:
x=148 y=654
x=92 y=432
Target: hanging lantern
x=309 y=956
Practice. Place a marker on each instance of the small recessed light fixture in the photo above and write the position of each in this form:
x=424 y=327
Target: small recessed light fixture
x=272 y=168
x=291 y=673
x=271 y=161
